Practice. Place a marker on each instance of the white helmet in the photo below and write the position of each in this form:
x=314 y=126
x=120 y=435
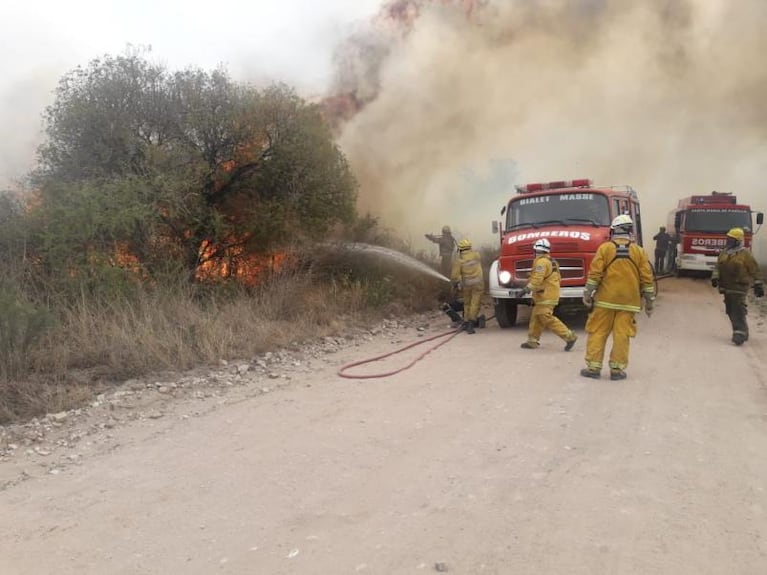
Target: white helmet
x=622 y=221
x=622 y=224
x=542 y=245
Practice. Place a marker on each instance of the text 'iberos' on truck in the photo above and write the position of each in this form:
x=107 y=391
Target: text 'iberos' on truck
x=699 y=225
x=575 y=217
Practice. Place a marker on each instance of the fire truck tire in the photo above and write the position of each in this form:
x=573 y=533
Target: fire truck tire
x=505 y=312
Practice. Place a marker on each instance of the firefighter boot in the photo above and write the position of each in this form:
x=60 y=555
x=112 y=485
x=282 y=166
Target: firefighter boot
x=738 y=337
x=481 y=321
x=468 y=327
x=530 y=344
x=591 y=373
x=570 y=342
x=617 y=374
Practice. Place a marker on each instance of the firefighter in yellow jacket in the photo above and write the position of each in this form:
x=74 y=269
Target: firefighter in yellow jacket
x=543 y=286
x=467 y=276
x=620 y=276
x=736 y=270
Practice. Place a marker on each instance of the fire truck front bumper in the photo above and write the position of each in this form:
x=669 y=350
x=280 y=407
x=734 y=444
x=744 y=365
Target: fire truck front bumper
x=697 y=262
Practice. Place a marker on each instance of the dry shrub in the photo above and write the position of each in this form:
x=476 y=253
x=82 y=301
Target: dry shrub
x=98 y=341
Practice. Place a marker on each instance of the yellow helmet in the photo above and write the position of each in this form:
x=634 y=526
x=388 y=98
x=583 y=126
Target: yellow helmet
x=464 y=245
x=736 y=234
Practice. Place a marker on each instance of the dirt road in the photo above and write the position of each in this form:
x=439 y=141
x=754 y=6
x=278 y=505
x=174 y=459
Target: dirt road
x=483 y=458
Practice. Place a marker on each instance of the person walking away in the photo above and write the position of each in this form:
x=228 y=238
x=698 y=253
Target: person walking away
x=735 y=272
x=544 y=287
x=447 y=245
x=662 y=242
x=619 y=278
x=468 y=277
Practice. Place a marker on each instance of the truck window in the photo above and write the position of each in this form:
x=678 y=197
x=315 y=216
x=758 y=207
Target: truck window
x=716 y=220
x=567 y=208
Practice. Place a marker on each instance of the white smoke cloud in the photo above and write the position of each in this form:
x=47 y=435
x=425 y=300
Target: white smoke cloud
x=666 y=97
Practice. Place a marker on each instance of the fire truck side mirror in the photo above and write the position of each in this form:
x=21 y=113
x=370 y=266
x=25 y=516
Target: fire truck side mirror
x=496 y=227
x=677 y=220
x=759 y=218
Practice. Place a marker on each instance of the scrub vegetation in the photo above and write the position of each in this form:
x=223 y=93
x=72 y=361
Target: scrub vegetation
x=176 y=219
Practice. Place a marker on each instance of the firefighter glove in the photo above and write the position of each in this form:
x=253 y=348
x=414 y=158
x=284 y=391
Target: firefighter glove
x=588 y=297
x=526 y=289
x=457 y=285
x=649 y=305
x=714 y=282
x=759 y=290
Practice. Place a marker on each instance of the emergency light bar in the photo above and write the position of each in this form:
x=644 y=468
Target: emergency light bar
x=541 y=186
x=715 y=198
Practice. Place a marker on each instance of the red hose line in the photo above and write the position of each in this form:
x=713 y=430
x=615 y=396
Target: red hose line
x=449 y=334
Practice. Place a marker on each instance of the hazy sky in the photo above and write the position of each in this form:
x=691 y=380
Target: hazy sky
x=289 y=40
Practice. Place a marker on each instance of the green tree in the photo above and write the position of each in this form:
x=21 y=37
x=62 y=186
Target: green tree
x=179 y=168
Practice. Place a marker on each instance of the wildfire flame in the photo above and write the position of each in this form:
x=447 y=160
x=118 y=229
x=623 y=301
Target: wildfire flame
x=236 y=263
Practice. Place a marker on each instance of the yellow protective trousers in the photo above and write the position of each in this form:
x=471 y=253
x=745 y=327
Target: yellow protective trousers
x=601 y=323
x=542 y=317
x=472 y=298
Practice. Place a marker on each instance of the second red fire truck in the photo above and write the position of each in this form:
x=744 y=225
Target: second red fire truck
x=700 y=224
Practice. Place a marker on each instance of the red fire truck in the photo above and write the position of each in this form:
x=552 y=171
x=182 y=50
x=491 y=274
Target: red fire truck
x=700 y=224
x=575 y=217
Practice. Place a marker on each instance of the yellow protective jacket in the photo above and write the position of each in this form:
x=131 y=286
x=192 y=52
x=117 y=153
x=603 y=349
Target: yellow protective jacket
x=467 y=269
x=621 y=275
x=544 y=281
x=736 y=270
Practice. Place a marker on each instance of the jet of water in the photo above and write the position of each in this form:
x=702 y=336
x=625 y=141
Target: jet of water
x=395 y=256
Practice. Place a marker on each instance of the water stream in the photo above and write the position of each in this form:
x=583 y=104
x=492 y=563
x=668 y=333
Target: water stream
x=396 y=256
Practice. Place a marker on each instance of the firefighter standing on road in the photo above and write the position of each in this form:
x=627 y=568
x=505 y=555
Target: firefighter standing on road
x=736 y=270
x=467 y=276
x=619 y=277
x=447 y=246
x=662 y=242
x=544 y=287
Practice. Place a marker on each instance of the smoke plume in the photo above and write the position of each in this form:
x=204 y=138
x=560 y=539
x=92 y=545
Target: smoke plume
x=455 y=101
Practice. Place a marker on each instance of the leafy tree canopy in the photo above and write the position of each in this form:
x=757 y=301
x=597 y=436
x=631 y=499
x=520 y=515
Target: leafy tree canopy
x=183 y=167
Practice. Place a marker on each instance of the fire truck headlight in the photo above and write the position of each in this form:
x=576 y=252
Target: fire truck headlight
x=504 y=277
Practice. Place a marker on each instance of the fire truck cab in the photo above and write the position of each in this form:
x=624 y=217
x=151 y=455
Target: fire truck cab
x=575 y=217
x=700 y=225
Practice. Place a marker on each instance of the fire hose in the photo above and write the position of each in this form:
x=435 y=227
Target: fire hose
x=448 y=335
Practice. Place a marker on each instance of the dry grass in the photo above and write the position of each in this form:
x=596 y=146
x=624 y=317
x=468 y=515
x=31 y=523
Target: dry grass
x=97 y=343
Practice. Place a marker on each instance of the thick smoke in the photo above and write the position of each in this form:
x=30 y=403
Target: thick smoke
x=666 y=96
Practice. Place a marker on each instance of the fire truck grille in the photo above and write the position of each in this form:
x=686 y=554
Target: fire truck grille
x=556 y=244
x=569 y=268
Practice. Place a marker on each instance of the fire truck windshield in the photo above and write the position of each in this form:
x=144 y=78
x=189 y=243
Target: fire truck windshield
x=716 y=220
x=562 y=208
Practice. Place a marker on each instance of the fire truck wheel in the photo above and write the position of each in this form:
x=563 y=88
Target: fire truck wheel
x=505 y=312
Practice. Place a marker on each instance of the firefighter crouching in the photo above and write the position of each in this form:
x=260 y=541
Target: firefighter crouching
x=736 y=270
x=619 y=277
x=543 y=286
x=467 y=276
